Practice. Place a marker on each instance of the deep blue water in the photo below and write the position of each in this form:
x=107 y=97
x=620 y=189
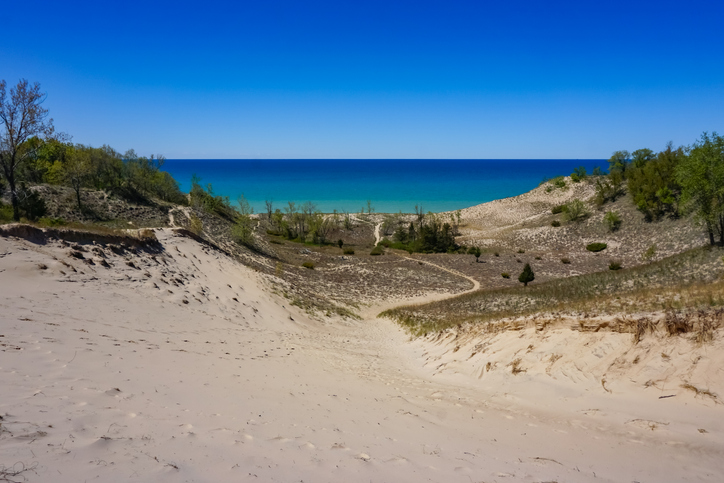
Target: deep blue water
x=392 y=185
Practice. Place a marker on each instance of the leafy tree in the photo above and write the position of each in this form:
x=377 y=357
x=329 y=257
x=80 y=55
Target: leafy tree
x=579 y=174
x=243 y=230
x=701 y=175
x=608 y=188
x=653 y=183
x=526 y=275
x=76 y=171
x=476 y=251
x=619 y=162
x=640 y=157
x=22 y=117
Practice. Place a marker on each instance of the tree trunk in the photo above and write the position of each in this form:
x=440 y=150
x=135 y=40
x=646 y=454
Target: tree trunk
x=14 y=197
x=77 y=197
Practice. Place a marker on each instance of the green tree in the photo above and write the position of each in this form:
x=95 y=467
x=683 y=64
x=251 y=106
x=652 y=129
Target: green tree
x=22 y=117
x=653 y=183
x=619 y=162
x=640 y=157
x=579 y=174
x=243 y=230
x=701 y=175
x=526 y=275
x=476 y=251
x=77 y=169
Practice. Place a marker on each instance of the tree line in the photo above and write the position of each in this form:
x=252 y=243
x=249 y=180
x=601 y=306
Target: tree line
x=672 y=182
x=32 y=152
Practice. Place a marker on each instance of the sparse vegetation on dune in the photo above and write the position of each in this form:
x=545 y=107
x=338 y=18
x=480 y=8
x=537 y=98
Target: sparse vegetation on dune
x=682 y=282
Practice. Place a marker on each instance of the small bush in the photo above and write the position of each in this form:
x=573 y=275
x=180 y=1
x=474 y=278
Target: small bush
x=576 y=211
x=31 y=204
x=558 y=209
x=276 y=242
x=614 y=265
x=496 y=254
x=555 y=223
x=196 y=226
x=505 y=275
x=565 y=261
x=521 y=251
x=612 y=220
x=538 y=258
x=385 y=242
x=650 y=253
x=596 y=247
x=377 y=251
x=349 y=251
x=308 y=265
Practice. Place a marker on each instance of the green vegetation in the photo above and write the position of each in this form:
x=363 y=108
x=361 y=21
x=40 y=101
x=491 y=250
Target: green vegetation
x=701 y=175
x=576 y=211
x=428 y=234
x=526 y=276
x=612 y=220
x=650 y=253
x=565 y=261
x=349 y=251
x=476 y=252
x=308 y=265
x=378 y=250
x=596 y=247
x=579 y=174
x=505 y=275
x=555 y=223
x=558 y=209
x=674 y=283
x=614 y=265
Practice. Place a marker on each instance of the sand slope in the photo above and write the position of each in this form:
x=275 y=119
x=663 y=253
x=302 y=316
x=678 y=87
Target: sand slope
x=178 y=365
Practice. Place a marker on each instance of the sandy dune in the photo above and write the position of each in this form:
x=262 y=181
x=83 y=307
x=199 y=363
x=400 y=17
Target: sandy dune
x=178 y=365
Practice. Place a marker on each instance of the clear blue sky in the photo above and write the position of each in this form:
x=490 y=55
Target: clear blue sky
x=373 y=79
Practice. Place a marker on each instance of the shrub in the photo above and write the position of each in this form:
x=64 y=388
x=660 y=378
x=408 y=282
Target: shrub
x=558 y=209
x=565 y=261
x=538 y=258
x=496 y=254
x=596 y=247
x=385 y=242
x=505 y=275
x=579 y=174
x=521 y=251
x=614 y=265
x=612 y=220
x=576 y=210
x=555 y=223
x=340 y=242
x=377 y=251
x=308 y=265
x=32 y=205
x=650 y=253
x=348 y=251
x=195 y=224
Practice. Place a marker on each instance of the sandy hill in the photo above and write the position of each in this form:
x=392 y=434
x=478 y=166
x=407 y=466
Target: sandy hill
x=168 y=360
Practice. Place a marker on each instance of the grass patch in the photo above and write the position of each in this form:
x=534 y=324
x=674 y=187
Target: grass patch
x=596 y=247
x=682 y=282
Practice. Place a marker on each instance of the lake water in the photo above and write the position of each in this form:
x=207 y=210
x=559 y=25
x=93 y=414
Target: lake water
x=391 y=185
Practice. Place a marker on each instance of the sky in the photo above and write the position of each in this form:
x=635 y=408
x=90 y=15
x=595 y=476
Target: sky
x=373 y=79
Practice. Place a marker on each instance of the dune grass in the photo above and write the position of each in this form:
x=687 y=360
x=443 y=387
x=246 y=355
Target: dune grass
x=689 y=280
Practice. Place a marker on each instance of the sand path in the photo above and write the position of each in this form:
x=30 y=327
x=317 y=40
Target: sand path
x=181 y=366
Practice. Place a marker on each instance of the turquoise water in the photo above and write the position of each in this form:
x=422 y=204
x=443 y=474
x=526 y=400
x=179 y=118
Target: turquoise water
x=391 y=185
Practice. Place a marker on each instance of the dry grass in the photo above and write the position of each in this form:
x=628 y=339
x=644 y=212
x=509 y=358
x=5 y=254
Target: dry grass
x=701 y=392
x=678 y=285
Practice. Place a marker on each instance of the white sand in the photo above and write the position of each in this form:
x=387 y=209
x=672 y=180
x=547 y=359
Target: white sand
x=107 y=378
